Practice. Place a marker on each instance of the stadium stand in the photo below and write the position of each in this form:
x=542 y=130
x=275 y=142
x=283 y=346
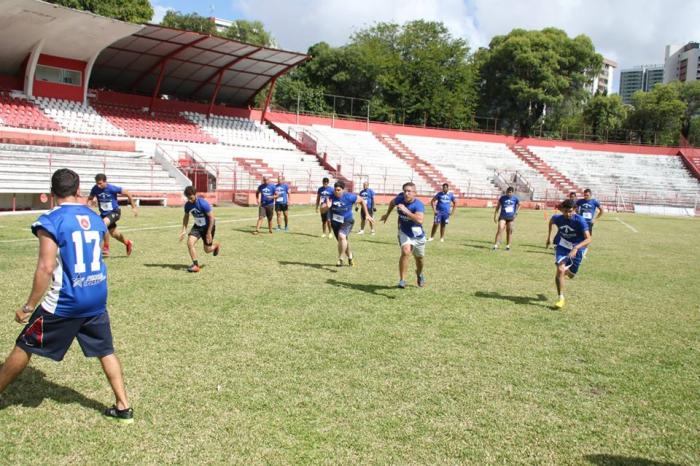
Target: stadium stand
x=136 y=122
x=479 y=169
x=362 y=157
x=238 y=131
x=77 y=118
x=640 y=178
x=19 y=113
x=27 y=169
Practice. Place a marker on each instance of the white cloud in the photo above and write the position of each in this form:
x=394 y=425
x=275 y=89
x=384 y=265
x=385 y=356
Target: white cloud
x=159 y=12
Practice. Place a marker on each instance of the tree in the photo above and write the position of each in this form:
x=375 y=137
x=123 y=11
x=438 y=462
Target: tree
x=251 y=32
x=132 y=11
x=658 y=114
x=604 y=113
x=527 y=73
x=189 y=22
x=689 y=93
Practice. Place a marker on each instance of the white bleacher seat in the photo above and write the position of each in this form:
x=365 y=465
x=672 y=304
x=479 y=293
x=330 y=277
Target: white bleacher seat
x=238 y=131
x=76 y=117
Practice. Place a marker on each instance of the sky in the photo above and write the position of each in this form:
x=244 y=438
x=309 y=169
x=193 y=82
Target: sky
x=630 y=32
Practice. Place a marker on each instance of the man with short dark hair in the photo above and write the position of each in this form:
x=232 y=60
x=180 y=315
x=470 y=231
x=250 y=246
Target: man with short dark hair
x=587 y=208
x=110 y=211
x=265 y=199
x=572 y=196
x=323 y=193
x=73 y=271
x=570 y=245
x=443 y=205
x=367 y=194
x=204 y=227
x=506 y=210
x=340 y=207
x=411 y=234
x=282 y=203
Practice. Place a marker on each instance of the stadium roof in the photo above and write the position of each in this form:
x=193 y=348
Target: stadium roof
x=190 y=65
x=150 y=59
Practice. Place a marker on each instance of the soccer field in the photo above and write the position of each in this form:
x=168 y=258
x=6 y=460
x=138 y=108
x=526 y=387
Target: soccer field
x=272 y=355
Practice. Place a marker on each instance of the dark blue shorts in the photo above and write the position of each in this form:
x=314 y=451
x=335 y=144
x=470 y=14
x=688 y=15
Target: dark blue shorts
x=562 y=254
x=113 y=217
x=507 y=219
x=50 y=336
x=442 y=218
x=344 y=228
x=326 y=217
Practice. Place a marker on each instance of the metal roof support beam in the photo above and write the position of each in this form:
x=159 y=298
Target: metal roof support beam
x=157 y=89
x=221 y=70
x=165 y=59
x=216 y=92
x=267 y=99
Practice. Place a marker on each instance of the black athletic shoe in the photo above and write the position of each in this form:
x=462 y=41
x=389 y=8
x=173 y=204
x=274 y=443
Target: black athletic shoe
x=122 y=415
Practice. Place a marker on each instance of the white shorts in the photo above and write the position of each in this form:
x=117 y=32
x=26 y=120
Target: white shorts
x=417 y=244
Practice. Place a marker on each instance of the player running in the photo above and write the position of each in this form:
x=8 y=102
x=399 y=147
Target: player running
x=340 y=207
x=411 y=234
x=570 y=244
x=265 y=199
x=367 y=195
x=204 y=227
x=508 y=206
x=110 y=212
x=323 y=193
x=71 y=267
x=587 y=208
x=282 y=204
x=443 y=205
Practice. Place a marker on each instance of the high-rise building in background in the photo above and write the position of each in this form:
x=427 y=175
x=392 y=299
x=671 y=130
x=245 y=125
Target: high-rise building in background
x=603 y=82
x=682 y=62
x=641 y=78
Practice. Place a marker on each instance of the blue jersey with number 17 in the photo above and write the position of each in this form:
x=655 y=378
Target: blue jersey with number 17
x=79 y=286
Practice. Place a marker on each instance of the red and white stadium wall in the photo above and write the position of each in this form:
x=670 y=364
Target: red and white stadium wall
x=58 y=90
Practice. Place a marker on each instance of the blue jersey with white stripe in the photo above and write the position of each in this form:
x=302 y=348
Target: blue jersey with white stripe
x=509 y=207
x=79 y=285
x=199 y=209
x=586 y=208
x=571 y=231
x=444 y=202
x=341 y=207
x=282 y=193
x=407 y=225
x=106 y=198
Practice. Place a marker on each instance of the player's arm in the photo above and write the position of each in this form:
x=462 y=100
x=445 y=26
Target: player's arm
x=549 y=234
x=600 y=213
x=212 y=219
x=131 y=201
x=325 y=206
x=454 y=206
x=258 y=197
x=91 y=201
x=517 y=208
x=433 y=201
x=582 y=244
x=48 y=251
x=363 y=204
x=495 y=212
x=384 y=217
x=185 y=221
x=318 y=199
x=415 y=216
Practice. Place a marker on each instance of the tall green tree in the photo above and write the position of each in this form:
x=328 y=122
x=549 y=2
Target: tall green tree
x=604 y=113
x=689 y=93
x=527 y=73
x=658 y=114
x=189 y=22
x=132 y=11
x=251 y=32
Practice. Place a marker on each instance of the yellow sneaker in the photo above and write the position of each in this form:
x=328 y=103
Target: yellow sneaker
x=560 y=304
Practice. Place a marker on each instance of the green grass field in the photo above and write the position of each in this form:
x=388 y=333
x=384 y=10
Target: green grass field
x=272 y=355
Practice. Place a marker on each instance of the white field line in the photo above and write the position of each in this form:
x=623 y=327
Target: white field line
x=164 y=227
x=627 y=225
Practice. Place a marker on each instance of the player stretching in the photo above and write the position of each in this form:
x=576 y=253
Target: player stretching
x=570 y=244
x=340 y=206
x=204 y=226
x=110 y=212
x=443 y=205
x=508 y=205
x=72 y=269
x=411 y=234
x=282 y=203
x=367 y=194
x=323 y=193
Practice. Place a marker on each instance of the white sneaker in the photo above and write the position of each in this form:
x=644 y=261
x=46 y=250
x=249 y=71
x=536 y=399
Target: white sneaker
x=372 y=232
x=430 y=239
x=323 y=235
x=361 y=232
x=442 y=240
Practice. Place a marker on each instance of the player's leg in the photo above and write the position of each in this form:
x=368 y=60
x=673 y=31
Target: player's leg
x=191 y=242
x=363 y=220
x=16 y=362
x=113 y=370
x=270 y=213
x=509 y=233
x=105 y=245
x=434 y=229
x=418 y=251
x=406 y=252
x=261 y=216
x=279 y=218
x=285 y=212
x=442 y=230
x=499 y=232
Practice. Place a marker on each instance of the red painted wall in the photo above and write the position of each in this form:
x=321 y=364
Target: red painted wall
x=57 y=90
x=10 y=82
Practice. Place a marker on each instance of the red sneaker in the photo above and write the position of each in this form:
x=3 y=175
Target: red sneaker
x=193 y=268
x=105 y=252
x=129 y=247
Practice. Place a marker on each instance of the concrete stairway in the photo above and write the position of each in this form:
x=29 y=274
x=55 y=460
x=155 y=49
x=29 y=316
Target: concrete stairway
x=558 y=179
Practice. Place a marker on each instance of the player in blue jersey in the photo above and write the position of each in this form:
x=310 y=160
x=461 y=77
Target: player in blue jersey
x=105 y=196
x=411 y=233
x=505 y=213
x=443 y=205
x=265 y=200
x=323 y=193
x=204 y=227
x=340 y=207
x=587 y=208
x=71 y=267
x=282 y=203
x=367 y=194
x=570 y=244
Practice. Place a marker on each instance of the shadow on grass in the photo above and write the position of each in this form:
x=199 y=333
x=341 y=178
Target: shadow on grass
x=299 y=233
x=548 y=252
x=476 y=246
x=617 y=460
x=326 y=267
x=172 y=266
x=31 y=388
x=539 y=300
x=372 y=289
